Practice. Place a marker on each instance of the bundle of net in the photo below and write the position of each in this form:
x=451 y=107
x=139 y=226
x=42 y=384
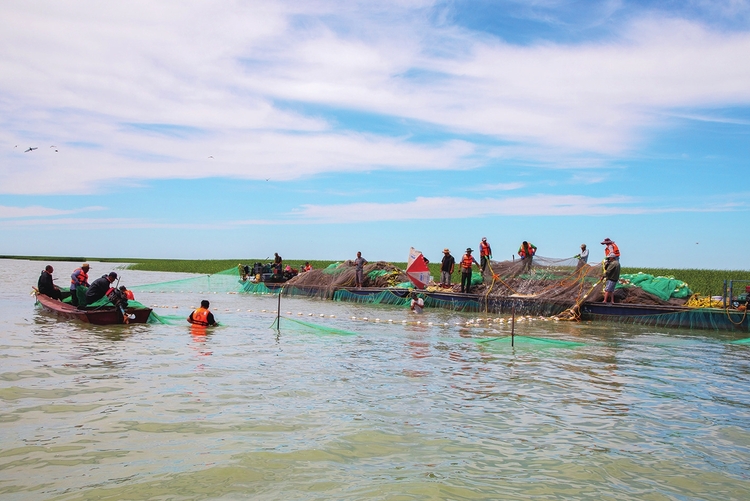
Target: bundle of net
x=558 y=280
x=338 y=275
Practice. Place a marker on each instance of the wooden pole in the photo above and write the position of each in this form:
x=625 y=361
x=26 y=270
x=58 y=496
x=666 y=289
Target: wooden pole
x=278 y=311
x=513 y=325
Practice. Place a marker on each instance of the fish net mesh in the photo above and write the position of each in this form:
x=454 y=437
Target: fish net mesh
x=542 y=285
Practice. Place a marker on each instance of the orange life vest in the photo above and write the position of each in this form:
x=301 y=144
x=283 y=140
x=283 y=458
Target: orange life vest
x=83 y=277
x=523 y=252
x=467 y=261
x=484 y=249
x=129 y=295
x=200 y=317
x=308 y=268
x=611 y=249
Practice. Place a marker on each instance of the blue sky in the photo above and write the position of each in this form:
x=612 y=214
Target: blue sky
x=318 y=129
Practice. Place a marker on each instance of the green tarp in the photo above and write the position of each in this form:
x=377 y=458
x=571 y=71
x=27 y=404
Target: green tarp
x=662 y=287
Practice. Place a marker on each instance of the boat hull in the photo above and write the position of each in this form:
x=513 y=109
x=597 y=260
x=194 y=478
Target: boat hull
x=100 y=316
x=654 y=315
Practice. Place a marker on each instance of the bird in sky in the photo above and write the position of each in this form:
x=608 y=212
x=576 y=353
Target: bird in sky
x=30 y=149
x=210 y=156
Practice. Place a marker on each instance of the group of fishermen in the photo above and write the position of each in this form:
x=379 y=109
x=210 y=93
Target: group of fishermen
x=527 y=250
x=82 y=293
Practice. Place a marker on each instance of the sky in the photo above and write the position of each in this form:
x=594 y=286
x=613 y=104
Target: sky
x=316 y=129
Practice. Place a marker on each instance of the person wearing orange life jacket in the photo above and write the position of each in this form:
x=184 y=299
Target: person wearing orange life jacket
x=128 y=293
x=485 y=253
x=466 y=263
x=307 y=266
x=202 y=317
x=79 y=278
x=527 y=251
x=611 y=248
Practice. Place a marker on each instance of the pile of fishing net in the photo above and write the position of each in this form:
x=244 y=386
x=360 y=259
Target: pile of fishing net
x=340 y=275
x=565 y=281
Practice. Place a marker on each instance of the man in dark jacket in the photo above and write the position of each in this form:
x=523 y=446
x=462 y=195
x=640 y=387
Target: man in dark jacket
x=46 y=286
x=99 y=288
x=612 y=276
x=446 y=268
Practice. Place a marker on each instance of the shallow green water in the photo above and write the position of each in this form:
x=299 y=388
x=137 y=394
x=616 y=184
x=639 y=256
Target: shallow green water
x=391 y=412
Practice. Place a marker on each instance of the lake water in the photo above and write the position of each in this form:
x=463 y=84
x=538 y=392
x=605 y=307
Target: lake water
x=391 y=411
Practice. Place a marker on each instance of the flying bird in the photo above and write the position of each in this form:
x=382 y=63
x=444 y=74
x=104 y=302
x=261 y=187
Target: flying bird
x=30 y=149
x=53 y=146
x=210 y=156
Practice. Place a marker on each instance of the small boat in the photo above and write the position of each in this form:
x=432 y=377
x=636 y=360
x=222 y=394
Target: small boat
x=98 y=316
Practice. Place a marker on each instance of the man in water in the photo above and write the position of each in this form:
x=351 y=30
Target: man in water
x=202 y=317
x=417 y=304
x=359 y=271
x=612 y=275
x=46 y=286
x=99 y=288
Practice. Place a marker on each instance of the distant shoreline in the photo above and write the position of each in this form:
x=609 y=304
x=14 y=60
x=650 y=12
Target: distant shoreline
x=706 y=282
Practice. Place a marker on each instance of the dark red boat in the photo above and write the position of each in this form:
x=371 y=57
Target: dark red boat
x=98 y=316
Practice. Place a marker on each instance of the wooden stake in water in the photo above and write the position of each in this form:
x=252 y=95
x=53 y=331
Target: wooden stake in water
x=513 y=325
x=278 y=313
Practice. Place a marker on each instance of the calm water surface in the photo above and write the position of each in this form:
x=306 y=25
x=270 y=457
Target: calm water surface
x=390 y=412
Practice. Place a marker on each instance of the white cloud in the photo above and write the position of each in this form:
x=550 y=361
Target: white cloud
x=8 y=212
x=82 y=72
x=499 y=187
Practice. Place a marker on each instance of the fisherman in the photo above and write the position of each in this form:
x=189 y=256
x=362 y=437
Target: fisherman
x=277 y=263
x=307 y=267
x=446 y=268
x=46 y=286
x=127 y=293
x=611 y=275
x=466 y=262
x=583 y=257
x=417 y=303
x=79 y=278
x=202 y=317
x=485 y=253
x=359 y=272
x=611 y=248
x=100 y=288
x=527 y=252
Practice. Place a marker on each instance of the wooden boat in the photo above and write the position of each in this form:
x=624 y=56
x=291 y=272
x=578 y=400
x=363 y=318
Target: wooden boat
x=654 y=315
x=667 y=316
x=98 y=316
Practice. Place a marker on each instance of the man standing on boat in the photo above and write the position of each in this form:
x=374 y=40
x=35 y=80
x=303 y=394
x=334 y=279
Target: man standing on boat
x=466 y=263
x=202 y=317
x=527 y=251
x=611 y=249
x=612 y=275
x=583 y=257
x=277 y=262
x=79 y=278
x=485 y=253
x=359 y=271
x=46 y=286
x=99 y=288
x=446 y=268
